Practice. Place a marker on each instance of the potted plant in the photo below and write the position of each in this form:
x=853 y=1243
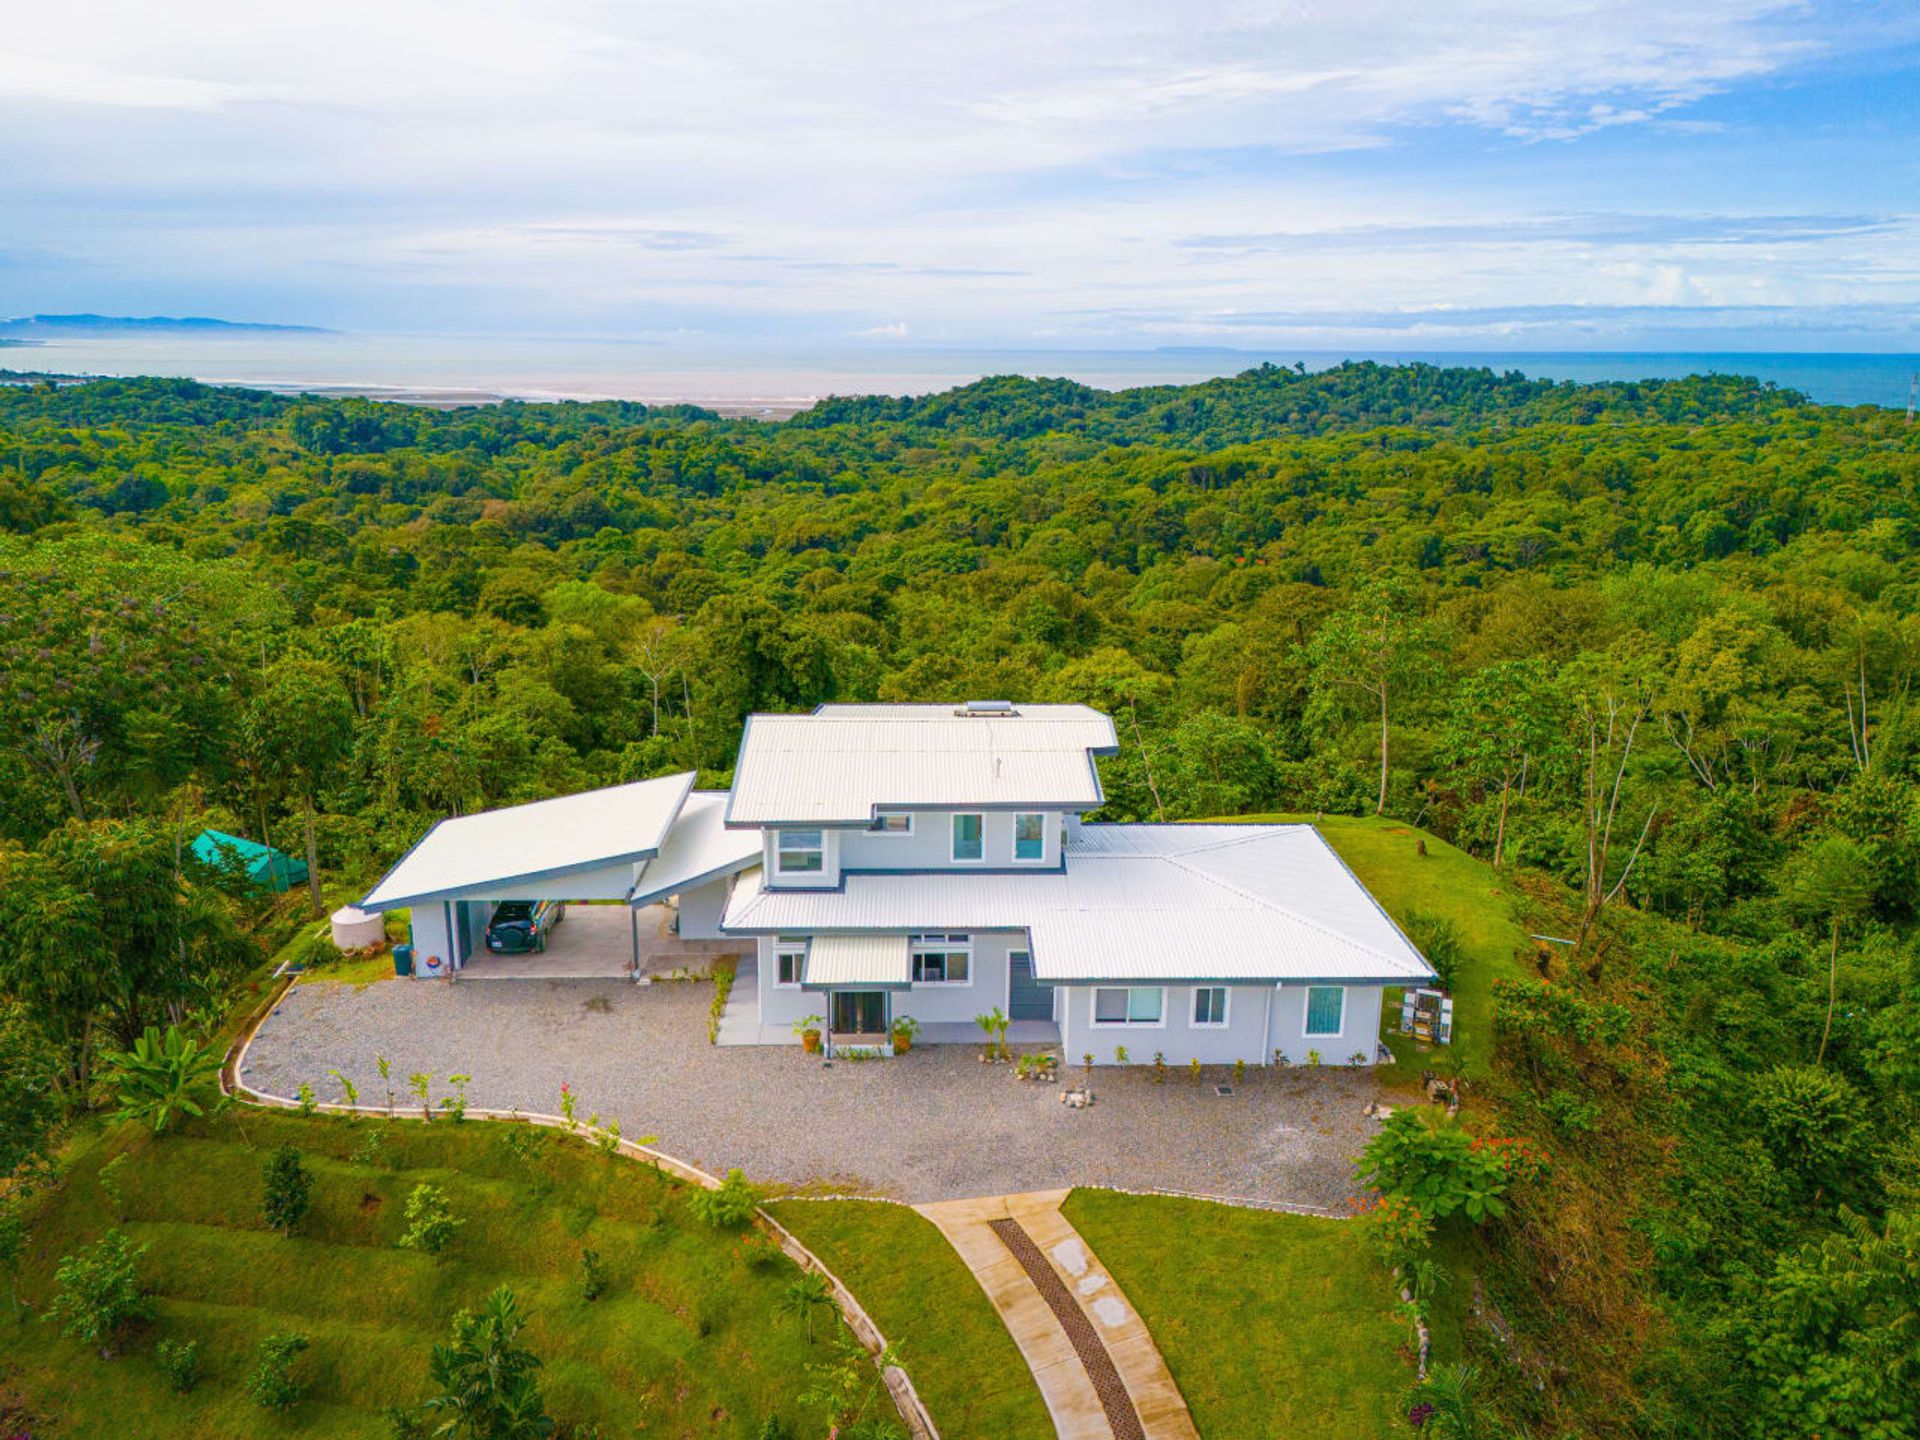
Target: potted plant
x=808 y=1029
x=905 y=1027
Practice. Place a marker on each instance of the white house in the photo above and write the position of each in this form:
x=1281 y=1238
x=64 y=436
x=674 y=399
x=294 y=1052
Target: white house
x=930 y=861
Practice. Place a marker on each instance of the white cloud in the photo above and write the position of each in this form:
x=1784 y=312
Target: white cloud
x=960 y=167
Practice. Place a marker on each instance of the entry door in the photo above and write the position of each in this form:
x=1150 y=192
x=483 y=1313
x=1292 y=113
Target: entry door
x=859 y=1012
x=1027 y=999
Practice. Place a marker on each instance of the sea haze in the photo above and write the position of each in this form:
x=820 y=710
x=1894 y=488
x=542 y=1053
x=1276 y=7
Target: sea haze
x=447 y=369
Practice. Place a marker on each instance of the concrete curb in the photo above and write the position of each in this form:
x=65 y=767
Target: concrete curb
x=913 y=1411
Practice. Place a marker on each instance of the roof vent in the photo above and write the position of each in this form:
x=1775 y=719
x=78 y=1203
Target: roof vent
x=987 y=707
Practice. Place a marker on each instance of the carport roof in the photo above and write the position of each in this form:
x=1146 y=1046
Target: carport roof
x=697 y=849
x=530 y=843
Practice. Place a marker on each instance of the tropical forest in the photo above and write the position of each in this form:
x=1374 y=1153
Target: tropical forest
x=1613 y=680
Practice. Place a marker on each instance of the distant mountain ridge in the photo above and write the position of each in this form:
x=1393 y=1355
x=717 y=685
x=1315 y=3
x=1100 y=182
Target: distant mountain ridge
x=32 y=324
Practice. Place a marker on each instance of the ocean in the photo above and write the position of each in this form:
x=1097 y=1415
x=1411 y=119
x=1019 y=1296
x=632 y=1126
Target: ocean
x=772 y=381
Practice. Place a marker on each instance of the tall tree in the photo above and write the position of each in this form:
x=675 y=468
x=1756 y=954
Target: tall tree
x=1503 y=722
x=299 y=728
x=1380 y=646
x=103 y=928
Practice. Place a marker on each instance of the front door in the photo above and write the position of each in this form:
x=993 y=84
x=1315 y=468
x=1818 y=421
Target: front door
x=1027 y=999
x=859 y=1012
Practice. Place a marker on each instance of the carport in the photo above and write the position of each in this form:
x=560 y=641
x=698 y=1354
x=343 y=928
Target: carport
x=655 y=849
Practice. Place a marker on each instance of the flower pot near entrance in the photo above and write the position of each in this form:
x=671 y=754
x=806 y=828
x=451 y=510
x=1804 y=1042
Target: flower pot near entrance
x=905 y=1027
x=809 y=1032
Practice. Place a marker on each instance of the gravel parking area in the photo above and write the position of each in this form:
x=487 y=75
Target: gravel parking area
x=932 y=1125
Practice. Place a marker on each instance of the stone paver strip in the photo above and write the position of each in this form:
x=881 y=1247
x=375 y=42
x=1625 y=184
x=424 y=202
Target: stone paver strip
x=1064 y=1384
x=1071 y=1392
x=1161 y=1407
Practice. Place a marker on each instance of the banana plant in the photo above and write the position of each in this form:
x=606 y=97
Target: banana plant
x=164 y=1078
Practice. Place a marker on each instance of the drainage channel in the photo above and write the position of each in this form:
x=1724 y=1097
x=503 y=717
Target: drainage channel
x=1122 y=1418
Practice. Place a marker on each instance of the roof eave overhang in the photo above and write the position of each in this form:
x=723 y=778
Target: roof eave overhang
x=495 y=886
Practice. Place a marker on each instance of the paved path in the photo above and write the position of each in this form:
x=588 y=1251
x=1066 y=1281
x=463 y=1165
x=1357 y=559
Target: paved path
x=931 y=1125
x=1097 y=1367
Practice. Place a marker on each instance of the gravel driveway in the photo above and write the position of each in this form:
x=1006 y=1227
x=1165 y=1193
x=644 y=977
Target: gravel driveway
x=932 y=1125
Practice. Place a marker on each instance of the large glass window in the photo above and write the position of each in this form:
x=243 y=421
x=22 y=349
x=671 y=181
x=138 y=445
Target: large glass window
x=1326 y=1009
x=790 y=959
x=1128 y=1005
x=1209 y=1006
x=1029 y=837
x=967 y=844
x=801 y=852
x=941 y=959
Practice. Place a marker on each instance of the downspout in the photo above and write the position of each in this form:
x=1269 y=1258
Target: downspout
x=1266 y=1029
x=633 y=924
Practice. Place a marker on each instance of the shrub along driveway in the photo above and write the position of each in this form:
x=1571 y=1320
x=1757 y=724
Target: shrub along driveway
x=932 y=1125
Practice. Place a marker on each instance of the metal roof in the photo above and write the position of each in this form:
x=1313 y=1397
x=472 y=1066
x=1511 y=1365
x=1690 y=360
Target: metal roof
x=1135 y=902
x=838 y=765
x=544 y=840
x=856 y=960
x=698 y=848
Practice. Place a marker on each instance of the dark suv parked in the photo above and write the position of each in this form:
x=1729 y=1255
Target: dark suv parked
x=519 y=926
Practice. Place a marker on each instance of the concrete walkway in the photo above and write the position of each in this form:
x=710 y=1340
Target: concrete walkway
x=989 y=1236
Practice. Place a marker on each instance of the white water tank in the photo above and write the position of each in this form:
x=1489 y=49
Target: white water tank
x=356 y=929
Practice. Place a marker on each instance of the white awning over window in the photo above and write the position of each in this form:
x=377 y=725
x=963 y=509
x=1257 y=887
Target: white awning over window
x=838 y=961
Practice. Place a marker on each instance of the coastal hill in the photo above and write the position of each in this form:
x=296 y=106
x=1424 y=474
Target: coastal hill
x=88 y=324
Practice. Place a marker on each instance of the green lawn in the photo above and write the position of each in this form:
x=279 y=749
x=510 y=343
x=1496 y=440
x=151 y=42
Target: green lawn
x=1453 y=885
x=1273 y=1325
x=688 y=1339
x=921 y=1294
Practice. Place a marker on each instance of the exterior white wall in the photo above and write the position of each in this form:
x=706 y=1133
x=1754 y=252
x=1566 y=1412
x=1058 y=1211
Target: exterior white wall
x=825 y=878
x=1359 y=1029
x=944 y=1004
x=930 y=846
x=429 y=926
x=1176 y=1037
x=781 y=1006
x=701 y=909
x=1252 y=1032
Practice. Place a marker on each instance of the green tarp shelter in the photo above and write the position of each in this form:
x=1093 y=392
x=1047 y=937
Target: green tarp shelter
x=267 y=867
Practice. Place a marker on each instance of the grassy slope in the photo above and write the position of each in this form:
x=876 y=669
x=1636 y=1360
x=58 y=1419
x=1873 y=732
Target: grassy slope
x=686 y=1337
x=962 y=1360
x=1271 y=1324
x=1446 y=882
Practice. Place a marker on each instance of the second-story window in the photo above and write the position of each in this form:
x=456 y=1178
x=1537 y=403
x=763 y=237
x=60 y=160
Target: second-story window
x=800 y=852
x=1029 y=838
x=967 y=842
x=892 y=825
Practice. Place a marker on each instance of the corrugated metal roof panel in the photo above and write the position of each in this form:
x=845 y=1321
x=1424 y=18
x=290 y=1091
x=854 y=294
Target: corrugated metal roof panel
x=698 y=847
x=548 y=837
x=837 y=766
x=1187 y=903
x=856 y=960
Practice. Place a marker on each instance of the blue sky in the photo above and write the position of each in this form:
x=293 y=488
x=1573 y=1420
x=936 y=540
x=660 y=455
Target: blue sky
x=1477 y=174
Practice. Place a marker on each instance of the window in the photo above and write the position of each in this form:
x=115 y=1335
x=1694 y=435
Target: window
x=941 y=959
x=1209 y=1006
x=800 y=852
x=1029 y=837
x=892 y=825
x=967 y=844
x=1326 y=1009
x=1133 y=1005
x=790 y=958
